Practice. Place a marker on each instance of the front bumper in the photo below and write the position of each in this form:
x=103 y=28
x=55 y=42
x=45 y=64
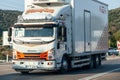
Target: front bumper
x=33 y=65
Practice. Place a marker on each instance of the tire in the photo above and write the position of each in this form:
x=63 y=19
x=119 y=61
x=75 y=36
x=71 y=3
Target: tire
x=97 y=61
x=24 y=72
x=99 y=57
x=91 y=65
x=64 y=65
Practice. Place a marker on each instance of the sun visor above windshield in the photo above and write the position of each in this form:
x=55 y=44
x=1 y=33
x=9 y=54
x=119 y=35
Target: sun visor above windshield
x=47 y=24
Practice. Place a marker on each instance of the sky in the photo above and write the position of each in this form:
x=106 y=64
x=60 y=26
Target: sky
x=12 y=5
x=19 y=4
x=112 y=4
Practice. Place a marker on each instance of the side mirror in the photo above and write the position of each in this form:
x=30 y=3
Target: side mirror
x=9 y=31
x=62 y=34
x=9 y=34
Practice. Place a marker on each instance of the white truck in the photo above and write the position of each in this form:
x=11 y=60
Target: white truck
x=59 y=35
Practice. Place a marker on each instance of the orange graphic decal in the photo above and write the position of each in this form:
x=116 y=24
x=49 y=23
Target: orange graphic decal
x=40 y=10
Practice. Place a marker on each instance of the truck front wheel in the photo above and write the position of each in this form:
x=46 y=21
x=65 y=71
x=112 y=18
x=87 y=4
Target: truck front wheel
x=64 y=65
x=25 y=72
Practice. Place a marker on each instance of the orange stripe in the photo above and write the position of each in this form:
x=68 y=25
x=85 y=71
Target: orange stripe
x=40 y=10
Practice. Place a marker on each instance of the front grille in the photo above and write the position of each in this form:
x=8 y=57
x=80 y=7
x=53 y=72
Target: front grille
x=35 y=57
x=29 y=56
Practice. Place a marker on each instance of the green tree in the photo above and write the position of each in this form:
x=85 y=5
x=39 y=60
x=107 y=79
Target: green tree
x=117 y=35
x=112 y=41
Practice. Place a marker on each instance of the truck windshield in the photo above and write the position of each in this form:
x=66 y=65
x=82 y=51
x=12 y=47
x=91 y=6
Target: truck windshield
x=34 y=32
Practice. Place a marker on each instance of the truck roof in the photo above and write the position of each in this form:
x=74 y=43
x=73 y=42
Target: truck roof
x=100 y=2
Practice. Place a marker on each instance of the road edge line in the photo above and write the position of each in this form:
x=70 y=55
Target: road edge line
x=98 y=75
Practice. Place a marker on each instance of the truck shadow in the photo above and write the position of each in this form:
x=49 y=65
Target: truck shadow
x=55 y=75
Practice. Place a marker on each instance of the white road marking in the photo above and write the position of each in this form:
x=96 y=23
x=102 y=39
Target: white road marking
x=5 y=70
x=98 y=75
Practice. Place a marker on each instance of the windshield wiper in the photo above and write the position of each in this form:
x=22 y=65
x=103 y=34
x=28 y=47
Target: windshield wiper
x=42 y=42
x=48 y=41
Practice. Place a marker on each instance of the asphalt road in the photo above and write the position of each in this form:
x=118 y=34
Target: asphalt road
x=110 y=70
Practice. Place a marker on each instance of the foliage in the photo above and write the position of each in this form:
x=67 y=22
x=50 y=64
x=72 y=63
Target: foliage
x=112 y=41
x=7 y=19
x=114 y=26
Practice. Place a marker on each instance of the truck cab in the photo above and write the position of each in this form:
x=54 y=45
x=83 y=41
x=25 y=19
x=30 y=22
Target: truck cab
x=40 y=37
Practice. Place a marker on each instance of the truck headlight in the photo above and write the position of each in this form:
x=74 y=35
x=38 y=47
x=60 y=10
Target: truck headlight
x=51 y=54
x=48 y=55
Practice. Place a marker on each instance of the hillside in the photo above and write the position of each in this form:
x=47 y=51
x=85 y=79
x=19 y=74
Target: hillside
x=7 y=18
x=114 y=26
